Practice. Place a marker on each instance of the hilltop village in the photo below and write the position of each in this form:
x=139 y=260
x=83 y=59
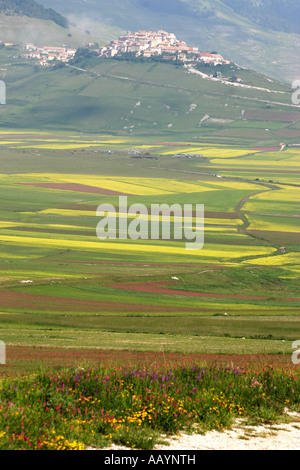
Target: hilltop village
x=161 y=43
x=140 y=44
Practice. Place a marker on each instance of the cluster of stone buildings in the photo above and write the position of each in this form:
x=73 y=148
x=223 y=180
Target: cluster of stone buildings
x=161 y=43
x=7 y=44
x=46 y=54
x=141 y=43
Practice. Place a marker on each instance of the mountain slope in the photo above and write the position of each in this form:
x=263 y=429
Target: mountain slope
x=24 y=21
x=209 y=25
x=22 y=29
x=279 y=15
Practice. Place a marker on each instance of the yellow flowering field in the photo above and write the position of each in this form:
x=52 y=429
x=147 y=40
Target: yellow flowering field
x=209 y=222
x=209 y=251
x=292 y=259
x=284 y=200
x=209 y=152
x=273 y=224
x=129 y=185
x=6 y=225
x=234 y=185
x=288 y=158
x=132 y=185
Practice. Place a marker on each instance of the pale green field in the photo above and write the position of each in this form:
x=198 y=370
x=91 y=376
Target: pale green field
x=143 y=342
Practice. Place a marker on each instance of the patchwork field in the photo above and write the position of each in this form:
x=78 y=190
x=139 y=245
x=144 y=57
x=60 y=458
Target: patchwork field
x=62 y=287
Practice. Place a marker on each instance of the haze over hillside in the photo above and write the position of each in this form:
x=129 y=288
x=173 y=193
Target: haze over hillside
x=263 y=39
x=279 y=15
x=26 y=21
x=31 y=9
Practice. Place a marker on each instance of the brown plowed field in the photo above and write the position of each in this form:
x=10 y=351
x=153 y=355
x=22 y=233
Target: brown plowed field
x=20 y=359
x=268 y=115
x=284 y=238
x=155 y=287
x=290 y=133
x=208 y=214
x=82 y=188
